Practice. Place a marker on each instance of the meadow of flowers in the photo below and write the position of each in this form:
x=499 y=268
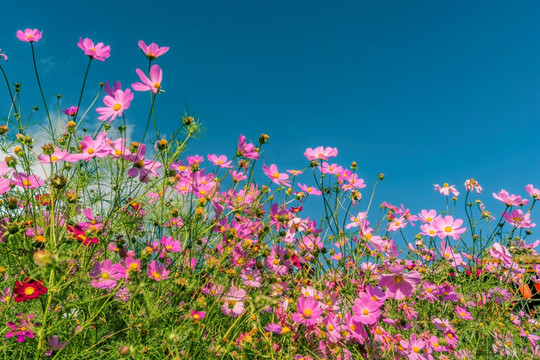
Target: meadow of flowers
x=114 y=248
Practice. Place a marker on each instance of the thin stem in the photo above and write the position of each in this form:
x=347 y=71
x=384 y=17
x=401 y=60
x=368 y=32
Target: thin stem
x=82 y=89
x=40 y=88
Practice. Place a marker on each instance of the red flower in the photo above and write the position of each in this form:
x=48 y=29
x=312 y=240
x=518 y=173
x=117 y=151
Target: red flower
x=29 y=289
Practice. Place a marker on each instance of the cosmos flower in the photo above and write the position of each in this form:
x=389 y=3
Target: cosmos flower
x=29 y=35
x=152 y=51
x=400 y=285
x=96 y=52
x=153 y=84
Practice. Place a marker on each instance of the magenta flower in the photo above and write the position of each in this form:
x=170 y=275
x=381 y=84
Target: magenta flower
x=170 y=245
x=251 y=278
x=100 y=147
x=463 y=313
x=197 y=315
x=157 y=272
x=310 y=190
x=106 y=275
x=56 y=156
x=29 y=35
x=519 y=220
x=246 y=150
x=274 y=175
x=153 y=84
x=220 y=161
x=132 y=265
x=320 y=153
x=116 y=102
x=152 y=51
x=22 y=328
x=447 y=226
x=400 y=285
x=96 y=52
x=309 y=311
x=71 y=111
x=366 y=310
x=413 y=348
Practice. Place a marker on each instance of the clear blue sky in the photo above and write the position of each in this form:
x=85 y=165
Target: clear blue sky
x=424 y=91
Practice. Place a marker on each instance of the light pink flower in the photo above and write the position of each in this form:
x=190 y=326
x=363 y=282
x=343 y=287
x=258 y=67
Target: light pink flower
x=413 y=347
x=447 y=226
x=535 y=193
x=56 y=156
x=333 y=169
x=27 y=181
x=400 y=285
x=274 y=175
x=320 y=153
x=446 y=189
x=510 y=200
x=152 y=51
x=97 y=52
x=463 y=313
x=29 y=35
x=153 y=84
x=472 y=184
x=234 y=302
x=427 y=216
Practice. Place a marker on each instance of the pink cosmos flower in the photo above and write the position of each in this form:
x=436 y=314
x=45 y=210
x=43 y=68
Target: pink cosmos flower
x=116 y=102
x=447 y=226
x=518 y=220
x=320 y=153
x=500 y=252
x=153 y=84
x=220 y=161
x=100 y=147
x=397 y=224
x=309 y=311
x=234 y=302
x=251 y=278
x=427 y=216
x=170 y=245
x=22 y=328
x=310 y=190
x=446 y=189
x=27 y=181
x=510 y=200
x=106 y=275
x=246 y=150
x=152 y=51
x=56 y=156
x=333 y=169
x=413 y=347
x=295 y=172
x=71 y=111
x=29 y=35
x=535 y=193
x=274 y=175
x=96 y=52
x=366 y=310
x=132 y=265
x=400 y=285
x=471 y=185
x=157 y=272
x=238 y=176
x=143 y=167
x=463 y=313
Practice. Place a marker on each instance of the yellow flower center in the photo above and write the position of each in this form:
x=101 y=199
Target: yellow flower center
x=307 y=312
x=90 y=151
x=398 y=279
x=330 y=327
x=117 y=107
x=29 y=291
x=416 y=349
x=448 y=229
x=157 y=85
x=54 y=158
x=26 y=182
x=156 y=275
x=105 y=275
x=365 y=312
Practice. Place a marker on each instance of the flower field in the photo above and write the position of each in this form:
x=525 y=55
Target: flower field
x=116 y=248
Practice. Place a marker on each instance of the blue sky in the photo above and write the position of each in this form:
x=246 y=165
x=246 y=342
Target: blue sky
x=425 y=92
